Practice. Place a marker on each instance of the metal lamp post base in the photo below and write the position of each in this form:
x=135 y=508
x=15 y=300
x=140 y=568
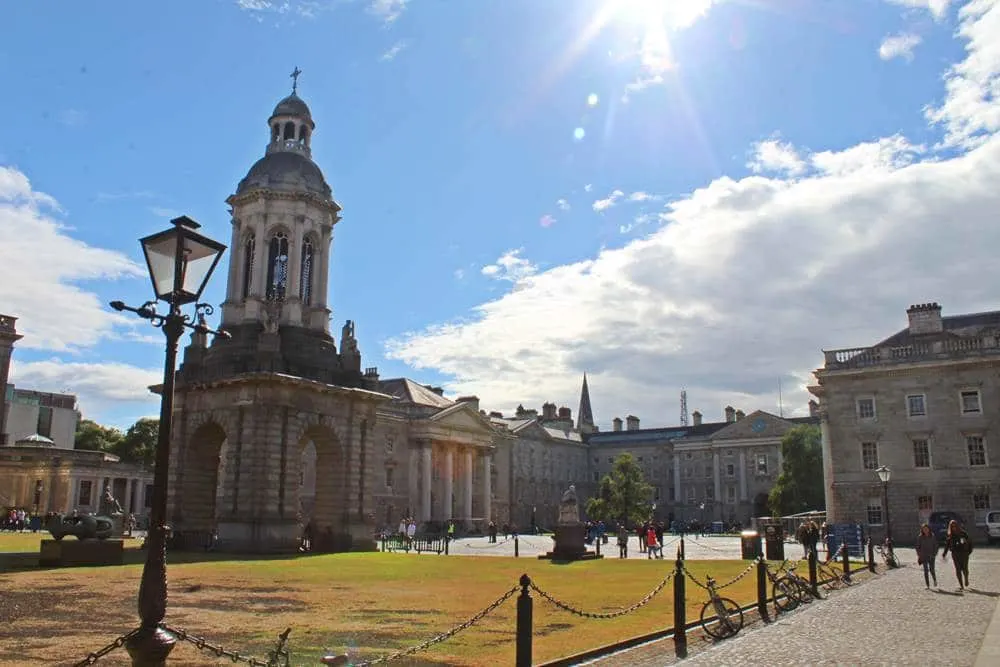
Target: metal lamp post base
x=149 y=647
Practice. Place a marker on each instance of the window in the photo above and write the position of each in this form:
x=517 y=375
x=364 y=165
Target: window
x=389 y=475
x=925 y=502
x=596 y=477
x=656 y=493
x=971 y=404
x=921 y=453
x=687 y=471
x=690 y=495
x=687 y=455
x=611 y=459
x=277 y=267
x=390 y=445
x=762 y=464
x=874 y=511
x=977 y=450
x=44 y=426
x=709 y=493
x=597 y=459
x=915 y=405
x=640 y=459
x=83 y=497
x=306 y=273
x=730 y=470
x=731 y=494
x=249 y=249
x=981 y=501
x=869 y=455
x=147 y=496
x=866 y=408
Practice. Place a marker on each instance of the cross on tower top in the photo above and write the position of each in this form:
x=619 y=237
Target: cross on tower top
x=295 y=79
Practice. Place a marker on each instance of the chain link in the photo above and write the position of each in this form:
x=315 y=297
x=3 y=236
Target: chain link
x=492 y=545
x=113 y=646
x=605 y=615
x=203 y=644
x=443 y=636
x=719 y=587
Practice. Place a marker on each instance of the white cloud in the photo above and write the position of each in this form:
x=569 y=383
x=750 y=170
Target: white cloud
x=588 y=187
x=776 y=157
x=750 y=279
x=55 y=313
x=899 y=46
x=604 y=204
x=937 y=8
x=547 y=220
x=459 y=274
x=562 y=204
x=393 y=51
x=641 y=196
x=98 y=386
x=511 y=267
x=387 y=10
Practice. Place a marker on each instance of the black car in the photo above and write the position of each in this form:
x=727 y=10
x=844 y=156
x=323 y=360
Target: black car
x=939 y=523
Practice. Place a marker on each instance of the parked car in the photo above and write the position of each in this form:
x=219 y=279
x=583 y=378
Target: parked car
x=993 y=527
x=939 y=523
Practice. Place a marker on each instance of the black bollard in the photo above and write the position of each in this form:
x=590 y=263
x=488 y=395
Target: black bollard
x=813 y=588
x=871 y=556
x=524 y=604
x=847 y=563
x=598 y=541
x=681 y=549
x=517 y=550
x=762 y=589
x=447 y=539
x=680 y=623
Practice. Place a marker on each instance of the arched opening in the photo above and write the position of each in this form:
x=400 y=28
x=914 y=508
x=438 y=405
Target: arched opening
x=197 y=493
x=306 y=272
x=319 y=476
x=275 y=132
x=289 y=131
x=277 y=267
x=249 y=250
x=304 y=134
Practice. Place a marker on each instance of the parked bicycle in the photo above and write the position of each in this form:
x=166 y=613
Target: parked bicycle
x=802 y=586
x=831 y=576
x=888 y=555
x=728 y=617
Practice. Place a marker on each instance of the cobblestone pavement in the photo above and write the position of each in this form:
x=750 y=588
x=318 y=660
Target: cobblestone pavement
x=890 y=620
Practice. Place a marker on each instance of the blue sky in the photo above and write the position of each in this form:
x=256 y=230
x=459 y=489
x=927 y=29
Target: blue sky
x=667 y=195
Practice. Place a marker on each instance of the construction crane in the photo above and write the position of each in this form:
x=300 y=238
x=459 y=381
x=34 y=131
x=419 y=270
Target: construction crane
x=684 y=407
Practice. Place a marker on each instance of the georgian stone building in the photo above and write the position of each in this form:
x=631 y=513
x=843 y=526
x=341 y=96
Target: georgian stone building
x=922 y=402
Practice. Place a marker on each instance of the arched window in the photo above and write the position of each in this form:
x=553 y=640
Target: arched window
x=306 y=273
x=277 y=267
x=275 y=132
x=289 y=130
x=304 y=134
x=249 y=248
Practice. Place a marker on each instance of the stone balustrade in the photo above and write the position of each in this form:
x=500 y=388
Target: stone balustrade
x=863 y=357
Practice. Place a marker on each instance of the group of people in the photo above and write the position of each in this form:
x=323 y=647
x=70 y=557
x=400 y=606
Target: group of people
x=957 y=542
x=17 y=520
x=650 y=536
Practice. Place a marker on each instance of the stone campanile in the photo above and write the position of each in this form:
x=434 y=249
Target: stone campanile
x=8 y=336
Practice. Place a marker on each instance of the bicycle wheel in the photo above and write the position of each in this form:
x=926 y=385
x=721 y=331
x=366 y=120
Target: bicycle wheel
x=831 y=579
x=725 y=625
x=803 y=590
x=785 y=594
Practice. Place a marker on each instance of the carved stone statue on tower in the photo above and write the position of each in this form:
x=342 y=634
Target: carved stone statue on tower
x=350 y=355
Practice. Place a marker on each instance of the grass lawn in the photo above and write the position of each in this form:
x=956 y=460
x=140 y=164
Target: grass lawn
x=367 y=604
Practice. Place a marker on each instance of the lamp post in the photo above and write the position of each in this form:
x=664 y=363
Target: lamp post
x=884 y=473
x=180 y=262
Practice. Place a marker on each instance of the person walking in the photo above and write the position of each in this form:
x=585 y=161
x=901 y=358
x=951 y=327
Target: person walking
x=622 y=541
x=927 y=548
x=960 y=546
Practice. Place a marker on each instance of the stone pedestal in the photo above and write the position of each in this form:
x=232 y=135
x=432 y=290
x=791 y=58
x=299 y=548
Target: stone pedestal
x=72 y=552
x=569 y=545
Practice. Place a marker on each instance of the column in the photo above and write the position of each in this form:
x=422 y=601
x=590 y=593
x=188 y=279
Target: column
x=127 y=500
x=449 y=479
x=74 y=493
x=467 y=481
x=323 y=251
x=259 y=278
x=294 y=260
x=717 y=480
x=413 y=482
x=487 y=486
x=677 y=477
x=235 y=259
x=425 y=490
x=743 y=476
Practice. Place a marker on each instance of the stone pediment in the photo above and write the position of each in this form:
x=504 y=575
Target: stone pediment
x=757 y=424
x=462 y=417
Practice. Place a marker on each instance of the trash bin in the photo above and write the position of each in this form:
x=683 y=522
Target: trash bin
x=774 y=541
x=750 y=545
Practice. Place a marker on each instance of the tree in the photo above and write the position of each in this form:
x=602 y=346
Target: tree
x=92 y=436
x=800 y=485
x=623 y=494
x=139 y=443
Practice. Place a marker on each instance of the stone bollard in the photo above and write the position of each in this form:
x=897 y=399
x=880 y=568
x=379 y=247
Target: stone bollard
x=813 y=588
x=762 y=589
x=517 y=549
x=680 y=622
x=847 y=563
x=523 y=633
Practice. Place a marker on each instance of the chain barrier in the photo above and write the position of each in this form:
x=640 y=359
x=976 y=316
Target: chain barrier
x=750 y=568
x=202 y=644
x=113 y=646
x=444 y=635
x=605 y=615
x=491 y=545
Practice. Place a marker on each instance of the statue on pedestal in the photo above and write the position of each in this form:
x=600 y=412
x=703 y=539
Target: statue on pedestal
x=109 y=506
x=569 y=510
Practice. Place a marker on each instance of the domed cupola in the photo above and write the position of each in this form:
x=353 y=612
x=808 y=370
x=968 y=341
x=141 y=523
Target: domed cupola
x=291 y=123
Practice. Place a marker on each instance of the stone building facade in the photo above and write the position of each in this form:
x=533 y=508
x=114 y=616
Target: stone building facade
x=922 y=402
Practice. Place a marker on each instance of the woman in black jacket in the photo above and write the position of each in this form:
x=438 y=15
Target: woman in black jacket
x=960 y=546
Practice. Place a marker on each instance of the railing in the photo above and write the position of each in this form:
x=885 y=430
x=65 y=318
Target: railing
x=859 y=357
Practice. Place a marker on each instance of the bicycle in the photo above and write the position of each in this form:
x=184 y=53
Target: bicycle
x=728 y=615
x=831 y=576
x=805 y=592
x=888 y=555
x=785 y=591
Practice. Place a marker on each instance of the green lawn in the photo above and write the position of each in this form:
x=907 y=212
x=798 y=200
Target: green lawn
x=368 y=604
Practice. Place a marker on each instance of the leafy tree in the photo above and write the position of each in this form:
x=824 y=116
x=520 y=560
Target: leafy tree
x=800 y=485
x=623 y=494
x=139 y=443
x=92 y=436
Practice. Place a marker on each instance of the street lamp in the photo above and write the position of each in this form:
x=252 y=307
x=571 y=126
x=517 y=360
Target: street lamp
x=180 y=262
x=884 y=474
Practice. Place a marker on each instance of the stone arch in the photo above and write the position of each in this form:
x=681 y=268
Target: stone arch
x=326 y=507
x=199 y=480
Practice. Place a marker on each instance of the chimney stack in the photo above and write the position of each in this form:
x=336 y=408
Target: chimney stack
x=548 y=411
x=740 y=415
x=616 y=424
x=696 y=416
x=925 y=318
x=632 y=423
x=565 y=413
x=471 y=400
x=730 y=414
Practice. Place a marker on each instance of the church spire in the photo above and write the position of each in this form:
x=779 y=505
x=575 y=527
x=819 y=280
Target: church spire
x=585 y=415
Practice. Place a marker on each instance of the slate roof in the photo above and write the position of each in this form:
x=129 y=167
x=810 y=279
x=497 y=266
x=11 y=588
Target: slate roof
x=412 y=392
x=961 y=326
